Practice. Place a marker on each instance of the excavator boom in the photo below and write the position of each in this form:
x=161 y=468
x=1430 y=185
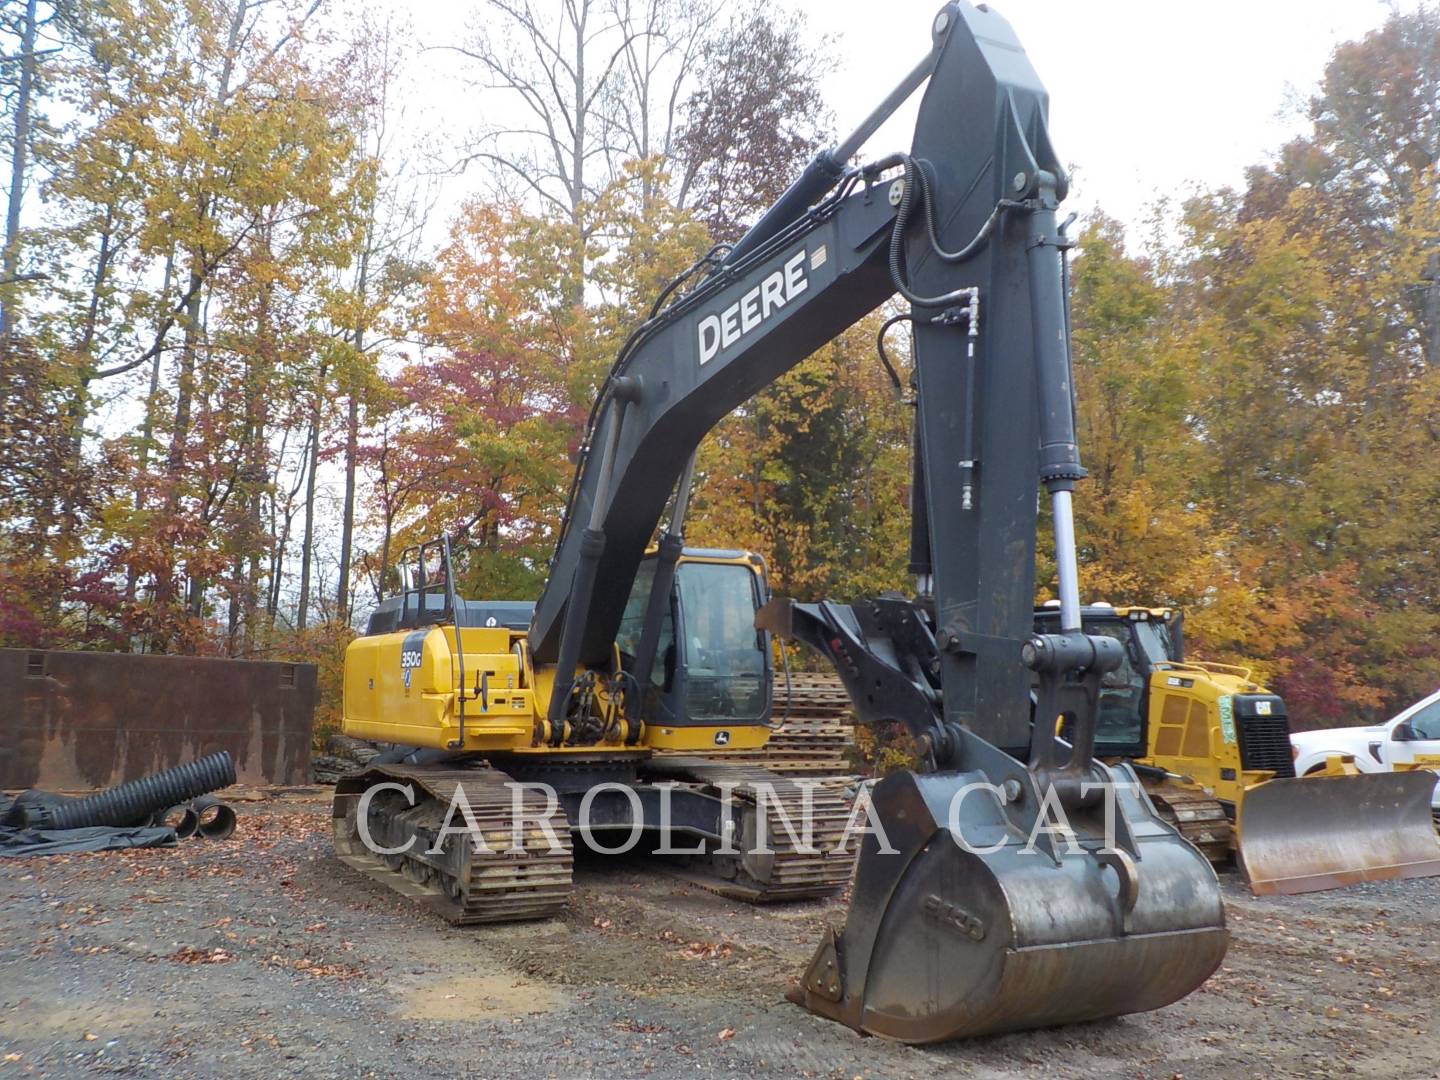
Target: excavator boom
x=1018 y=882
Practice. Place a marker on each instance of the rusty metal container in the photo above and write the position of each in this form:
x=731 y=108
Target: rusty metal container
x=71 y=721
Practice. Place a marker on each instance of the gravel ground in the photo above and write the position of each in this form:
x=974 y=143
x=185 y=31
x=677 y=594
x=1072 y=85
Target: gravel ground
x=261 y=957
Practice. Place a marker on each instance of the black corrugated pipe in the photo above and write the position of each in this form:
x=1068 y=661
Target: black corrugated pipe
x=182 y=818
x=216 y=819
x=133 y=802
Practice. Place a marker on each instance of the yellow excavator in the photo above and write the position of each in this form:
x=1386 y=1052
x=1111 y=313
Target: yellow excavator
x=1212 y=747
x=1013 y=881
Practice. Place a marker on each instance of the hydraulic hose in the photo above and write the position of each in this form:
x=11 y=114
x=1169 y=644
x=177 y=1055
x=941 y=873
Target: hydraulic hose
x=134 y=801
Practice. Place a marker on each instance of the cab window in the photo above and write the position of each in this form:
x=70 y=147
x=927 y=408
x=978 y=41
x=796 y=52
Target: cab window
x=632 y=626
x=632 y=623
x=1122 y=691
x=1153 y=638
x=724 y=653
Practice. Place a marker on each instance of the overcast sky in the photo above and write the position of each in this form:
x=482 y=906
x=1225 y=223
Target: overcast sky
x=1148 y=97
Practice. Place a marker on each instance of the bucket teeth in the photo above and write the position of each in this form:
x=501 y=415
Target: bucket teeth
x=823 y=977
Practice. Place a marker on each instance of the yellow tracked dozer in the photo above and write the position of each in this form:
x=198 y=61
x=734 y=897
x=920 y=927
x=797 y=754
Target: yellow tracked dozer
x=1212 y=748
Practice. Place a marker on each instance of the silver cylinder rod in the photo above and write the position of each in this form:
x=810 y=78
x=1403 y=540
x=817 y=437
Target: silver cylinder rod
x=886 y=109
x=682 y=496
x=1066 y=564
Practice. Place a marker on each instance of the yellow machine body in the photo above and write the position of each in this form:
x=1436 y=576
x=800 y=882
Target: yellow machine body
x=1192 y=731
x=1213 y=744
x=405 y=687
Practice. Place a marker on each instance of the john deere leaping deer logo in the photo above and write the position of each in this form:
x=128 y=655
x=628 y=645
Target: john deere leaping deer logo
x=412 y=654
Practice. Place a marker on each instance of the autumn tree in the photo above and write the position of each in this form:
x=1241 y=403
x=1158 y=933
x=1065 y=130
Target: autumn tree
x=814 y=474
x=755 y=121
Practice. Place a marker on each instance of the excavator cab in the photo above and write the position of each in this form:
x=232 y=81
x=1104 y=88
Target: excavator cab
x=1147 y=645
x=717 y=670
x=1120 y=723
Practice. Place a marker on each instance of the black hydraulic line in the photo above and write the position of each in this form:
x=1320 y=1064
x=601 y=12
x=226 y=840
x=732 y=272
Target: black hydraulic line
x=915 y=193
x=904 y=316
x=976 y=243
x=134 y=801
x=712 y=257
x=823 y=172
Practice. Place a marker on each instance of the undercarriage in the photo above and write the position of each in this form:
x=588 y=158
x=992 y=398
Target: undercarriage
x=476 y=843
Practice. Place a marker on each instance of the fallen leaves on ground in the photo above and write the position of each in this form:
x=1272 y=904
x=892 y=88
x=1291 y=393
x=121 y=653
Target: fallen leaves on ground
x=705 y=950
x=698 y=950
x=188 y=954
x=317 y=969
x=637 y=1027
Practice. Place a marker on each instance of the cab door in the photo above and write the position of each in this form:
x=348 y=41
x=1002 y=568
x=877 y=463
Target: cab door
x=712 y=669
x=724 y=662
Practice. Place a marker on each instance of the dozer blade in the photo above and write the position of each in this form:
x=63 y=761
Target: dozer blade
x=1322 y=832
x=943 y=943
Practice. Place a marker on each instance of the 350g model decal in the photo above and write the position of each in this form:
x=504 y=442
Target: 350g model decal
x=412 y=654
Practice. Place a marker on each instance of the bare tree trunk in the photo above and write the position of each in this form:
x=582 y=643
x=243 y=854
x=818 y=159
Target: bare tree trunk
x=281 y=533
x=384 y=557
x=307 y=547
x=249 y=541
x=352 y=434
x=184 y=394
x=347 y=520
x=19 y=162
x=147 y=432
x=232 y=617
x=189 y=349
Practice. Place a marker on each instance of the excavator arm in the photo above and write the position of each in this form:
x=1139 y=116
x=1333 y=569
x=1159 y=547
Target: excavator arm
x=1019 y=882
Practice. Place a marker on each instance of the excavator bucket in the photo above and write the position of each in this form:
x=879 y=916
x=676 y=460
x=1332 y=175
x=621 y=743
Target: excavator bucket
x=963 y=927
x=1322 y=832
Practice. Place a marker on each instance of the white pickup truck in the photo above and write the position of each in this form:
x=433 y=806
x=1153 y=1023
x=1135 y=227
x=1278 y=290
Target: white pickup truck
x=1413 y=733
